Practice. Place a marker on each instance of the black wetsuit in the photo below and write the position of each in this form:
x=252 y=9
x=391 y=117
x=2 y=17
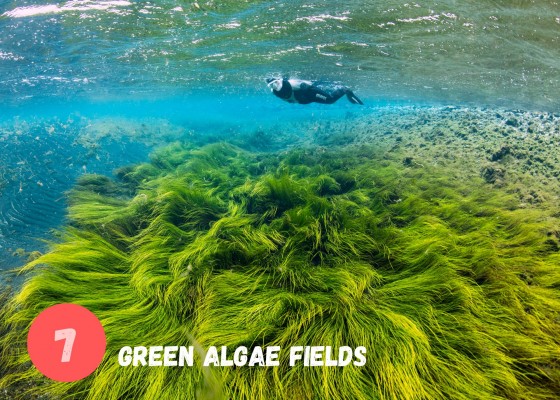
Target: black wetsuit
x=307 y=93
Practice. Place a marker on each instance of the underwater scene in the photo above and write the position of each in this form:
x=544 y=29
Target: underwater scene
x=280 y=199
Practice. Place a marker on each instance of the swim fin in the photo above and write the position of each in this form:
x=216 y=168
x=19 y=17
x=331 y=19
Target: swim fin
x=353 y=98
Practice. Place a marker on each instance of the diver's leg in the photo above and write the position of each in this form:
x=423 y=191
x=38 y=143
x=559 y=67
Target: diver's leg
x=312 y=94
x=337 y=94
x=320 y=96
x=341 y=91
x=353 y=98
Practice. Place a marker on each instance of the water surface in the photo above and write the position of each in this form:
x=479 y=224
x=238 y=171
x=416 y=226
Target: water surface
x=485 y=53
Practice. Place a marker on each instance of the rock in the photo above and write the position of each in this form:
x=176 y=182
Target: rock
x=407 y=161
x=512 y=122
x=33 y=255
x=500 y=154
x=493 y=174
x=19 y=252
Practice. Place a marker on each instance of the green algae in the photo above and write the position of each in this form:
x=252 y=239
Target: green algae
x=451 y=287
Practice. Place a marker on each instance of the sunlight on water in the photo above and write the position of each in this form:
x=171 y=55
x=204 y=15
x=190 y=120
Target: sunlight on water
x=70 y=6
x=500 y=53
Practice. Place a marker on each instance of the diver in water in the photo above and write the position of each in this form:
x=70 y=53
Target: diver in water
x=305 y=92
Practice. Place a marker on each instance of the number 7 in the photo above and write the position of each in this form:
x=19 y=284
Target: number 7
x=68 y=334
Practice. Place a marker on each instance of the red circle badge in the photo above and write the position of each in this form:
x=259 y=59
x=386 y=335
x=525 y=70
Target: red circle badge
x=66 y=342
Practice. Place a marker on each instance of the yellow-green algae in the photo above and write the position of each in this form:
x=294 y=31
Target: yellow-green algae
x=451 y=288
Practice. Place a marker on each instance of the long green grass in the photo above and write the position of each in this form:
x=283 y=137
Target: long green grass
x=453 y=290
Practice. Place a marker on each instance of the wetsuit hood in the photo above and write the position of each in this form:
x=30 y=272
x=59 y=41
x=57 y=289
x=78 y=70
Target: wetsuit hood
x=275 y=85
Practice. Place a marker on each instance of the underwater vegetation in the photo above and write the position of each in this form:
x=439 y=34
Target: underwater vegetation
x=451 y=287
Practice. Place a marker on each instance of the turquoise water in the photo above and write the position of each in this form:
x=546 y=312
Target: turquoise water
x=89 y=86
x=491 y=52
x=48 y=144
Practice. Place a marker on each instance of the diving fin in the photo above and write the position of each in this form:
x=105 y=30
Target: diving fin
x=353 y=98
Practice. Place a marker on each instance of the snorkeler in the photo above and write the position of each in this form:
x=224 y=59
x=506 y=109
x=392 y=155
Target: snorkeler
x=305 y=92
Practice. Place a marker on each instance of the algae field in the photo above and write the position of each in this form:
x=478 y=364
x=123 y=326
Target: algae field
x=448 y=278
x=230 y=245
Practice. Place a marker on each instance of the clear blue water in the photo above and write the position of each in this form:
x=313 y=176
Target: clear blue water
x=47 y=145
x=200 y=66
x=491 y=52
